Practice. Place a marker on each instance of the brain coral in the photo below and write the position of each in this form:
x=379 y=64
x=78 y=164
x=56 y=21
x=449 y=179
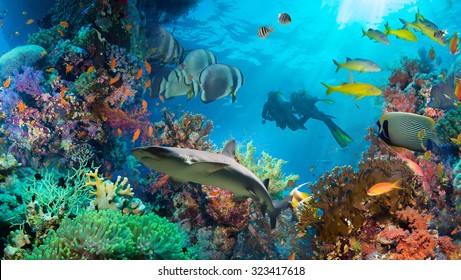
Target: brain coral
x=20 y=56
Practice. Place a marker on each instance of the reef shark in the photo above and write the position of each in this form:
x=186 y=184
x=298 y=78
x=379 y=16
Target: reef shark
x=219 y=170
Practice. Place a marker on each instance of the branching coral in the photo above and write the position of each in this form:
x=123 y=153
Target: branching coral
x=110 y=235
x=341 y=196
x=267 y=167
x=190 y=131
x=413 y=240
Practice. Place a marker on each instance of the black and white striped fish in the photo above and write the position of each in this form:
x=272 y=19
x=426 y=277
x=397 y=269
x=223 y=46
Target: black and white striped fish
x=264 y=31
x=284 y=19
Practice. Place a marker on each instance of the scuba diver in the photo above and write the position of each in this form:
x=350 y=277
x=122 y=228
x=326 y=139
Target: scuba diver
x=277 y=108
x=304 y=105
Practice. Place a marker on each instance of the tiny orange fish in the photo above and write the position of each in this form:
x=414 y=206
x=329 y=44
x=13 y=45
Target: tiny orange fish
x=113 y=63
x=455 y=231
x=421 y=134
x=151 y=131
x=162 y=98
x=292 y=256
x=454 y=47
x=21 y=106
x=90 y=69
x=49 y=70
x=119 y=131
x=427 y=155
x=165 y=130
x=7 y=83
x=69 y=68
x=136 y=135
x=147 y=84
x=458 y=89
x=30 y=21
x=312 y=169
x=114 y=80
x=439 y=170
x=64 y=24
x=383 y=187
x=32 y=122
x=128 y=27
x=139 y=74
x=65 y=89
x=291 y=183
x=144 y=105
x=148 y=67
x=432 y=53
x=81 y=134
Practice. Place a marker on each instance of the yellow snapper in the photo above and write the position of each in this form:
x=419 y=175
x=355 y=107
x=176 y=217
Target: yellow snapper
x=384 y=187
x=401 y=129
x=426 y=27
x=358 y=64
x=401 y=33
x=360 y=90
x=376 y=35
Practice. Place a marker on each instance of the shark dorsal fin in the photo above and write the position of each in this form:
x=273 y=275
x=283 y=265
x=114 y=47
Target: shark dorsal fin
x=266 y=183
x=229 y=149
x=348 y=58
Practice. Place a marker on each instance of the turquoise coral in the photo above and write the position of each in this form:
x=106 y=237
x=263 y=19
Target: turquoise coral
x=27 y=55
x=449 y=126
x=110 y=235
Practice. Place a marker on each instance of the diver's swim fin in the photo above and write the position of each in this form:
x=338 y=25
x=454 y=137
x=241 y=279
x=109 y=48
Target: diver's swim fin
x=340 y=135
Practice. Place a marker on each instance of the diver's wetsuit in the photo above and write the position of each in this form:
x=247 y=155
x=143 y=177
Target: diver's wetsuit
x=277 y=108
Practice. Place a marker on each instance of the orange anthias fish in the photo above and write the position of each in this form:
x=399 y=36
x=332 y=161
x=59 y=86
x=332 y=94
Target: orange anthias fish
x=128 y=27
x=90 y=69
x=432 y=53
x=162 y=98
x=113 y=63
x=458 y=89
x=150 y=131
x=139 y=74
x=454 y=47
x=119 y=131
x=21 y=106
x=49 y=70
x=148 y=67
x=69 y=68
x=439 y=170
x=421 y=134
x=114 y=80
x=413 y=166
x=64 y=24
x=30 y=21
x=147 y=84
x=136 y=135
x=7 y=83
x=383 y=187
x=144 y=105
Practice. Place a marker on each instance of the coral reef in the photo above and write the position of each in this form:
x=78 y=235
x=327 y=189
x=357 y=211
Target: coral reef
x=27 y=55
x=449 y=126
x=267 y=167
x=110 y=235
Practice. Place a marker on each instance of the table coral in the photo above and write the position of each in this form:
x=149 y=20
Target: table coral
x=27 y=55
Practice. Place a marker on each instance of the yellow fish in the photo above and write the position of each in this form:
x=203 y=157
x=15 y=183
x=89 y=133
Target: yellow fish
x=401 y=33
x=360 y=90
x=30 y=21
x=376 y=35
x=426 y=27
x=457 y=140
x=383 y=187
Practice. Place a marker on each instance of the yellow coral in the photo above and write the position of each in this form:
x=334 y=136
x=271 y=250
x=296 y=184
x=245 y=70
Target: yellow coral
x=106 y=191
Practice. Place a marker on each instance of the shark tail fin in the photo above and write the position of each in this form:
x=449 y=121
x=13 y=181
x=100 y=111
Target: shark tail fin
x=340 y=135
x=274 y=214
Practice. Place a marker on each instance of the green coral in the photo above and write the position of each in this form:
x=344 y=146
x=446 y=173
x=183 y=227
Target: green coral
x=449 y=126
x=46 y=38
x=110 y=235
x=86 y=36
x=266 y=167
x=20 y=56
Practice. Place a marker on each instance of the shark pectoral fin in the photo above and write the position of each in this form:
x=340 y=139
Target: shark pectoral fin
x=263 y=209
x=266 y=183
x=209 y=167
